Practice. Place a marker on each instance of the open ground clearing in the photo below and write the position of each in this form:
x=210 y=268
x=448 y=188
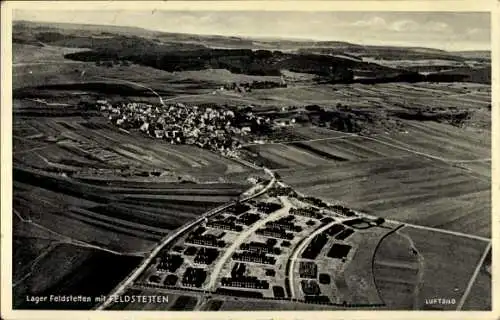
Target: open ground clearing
x=407 y=189
x=286 y=156
x=27 y=251
x=352 y=148
x=105 y=147
x=479 y=298
x=449 y=262
x=442 y=140
x=69 y=270
x=429 y=174
x=259 y=305
x=25 y=53
x=391 y=96
x=108 y=217
x=358 y=273
x=396 y=271
x=46 y=65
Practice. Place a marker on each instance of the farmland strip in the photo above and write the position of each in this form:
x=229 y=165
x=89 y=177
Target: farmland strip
x=114 y=228
x=127 y=224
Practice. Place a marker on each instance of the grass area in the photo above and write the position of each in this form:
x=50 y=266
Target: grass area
x=127 y=218
x=395 y=270
x=449 y=262
x=442 y=140
x=133 y=150
x=480 y=296
x=70 y=270
x=255 y=305
x=407 y=189
x=26 y=251
x=358 y=273
x=286 y=156
x=25 y=53
x=354 y=148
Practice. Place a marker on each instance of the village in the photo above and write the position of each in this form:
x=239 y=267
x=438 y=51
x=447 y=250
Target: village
x=211 y=128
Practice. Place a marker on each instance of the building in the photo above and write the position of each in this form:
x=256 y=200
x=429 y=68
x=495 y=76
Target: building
x=194 y=277
x=249 y=218
x=310 y=287
x=238 y=270
x=245 y=282
x=225 y=225
x=308 y=269
x=170 y=263
x=315 y=246
x=206 y=240
x=275 y=233
x=206 y=256
x=260 y=248
x=307 y=212
x=284 y=225
x=247 y=256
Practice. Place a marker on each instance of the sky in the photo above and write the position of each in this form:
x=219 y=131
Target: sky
x=441 y=30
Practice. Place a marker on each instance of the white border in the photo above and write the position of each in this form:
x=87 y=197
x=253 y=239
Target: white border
x=6 y=148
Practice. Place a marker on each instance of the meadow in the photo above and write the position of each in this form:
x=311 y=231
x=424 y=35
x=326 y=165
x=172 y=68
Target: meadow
x=396 y=270
x=408 y=189
x=449 y=262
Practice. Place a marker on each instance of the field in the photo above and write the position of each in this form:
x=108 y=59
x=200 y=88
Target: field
x=46 y=65
x=110 y=217
x=26 y=251
x=396 y=270
x=92 y=200
x=426 y=139
x=76 y=145
x=449 y=262
x=479 y=298
x=443 y=141
x=69 y=270
x=358 y=273
x=407 y=189
x=390 y=96
x=285 y=156
x=352 y=148
x=25 y=53
x=259 y=305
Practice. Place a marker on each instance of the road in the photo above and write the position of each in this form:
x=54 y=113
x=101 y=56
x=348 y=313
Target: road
x=216 y=272
x=214 y=275
x=417 y=299
x=25 y=64
x=455 y=233
x=55 y=104
x=297 y=141
x=75 y=242
x=350 y=135
x=124 y=284
x=298 y=250
x=162 y=101
x=473 y=278
x=134 y=84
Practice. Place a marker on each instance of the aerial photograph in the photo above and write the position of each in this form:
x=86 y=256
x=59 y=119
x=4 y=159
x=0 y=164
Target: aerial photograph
x=197 y=160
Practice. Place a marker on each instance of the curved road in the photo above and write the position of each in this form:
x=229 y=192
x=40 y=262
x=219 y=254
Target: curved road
x=214 y=275
x=216 y=210
x=162 y=101
x=297 y=251
x=124 y=284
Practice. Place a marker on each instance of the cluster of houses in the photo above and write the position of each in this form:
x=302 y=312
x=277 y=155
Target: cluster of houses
x=206 y=127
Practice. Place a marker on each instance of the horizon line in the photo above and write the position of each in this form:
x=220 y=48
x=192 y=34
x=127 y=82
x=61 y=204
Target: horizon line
x=262 y=37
